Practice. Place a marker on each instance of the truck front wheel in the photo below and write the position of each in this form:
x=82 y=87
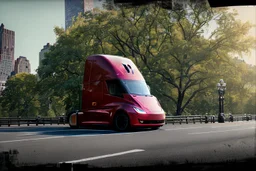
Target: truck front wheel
x=121 y=122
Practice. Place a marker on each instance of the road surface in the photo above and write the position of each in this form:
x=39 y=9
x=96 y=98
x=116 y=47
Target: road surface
x=194 y=143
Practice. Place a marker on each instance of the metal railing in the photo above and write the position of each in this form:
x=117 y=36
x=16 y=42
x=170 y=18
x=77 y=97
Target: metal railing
x=168 y=120
x=186 y=119
x=32 y=121
x=205 y=119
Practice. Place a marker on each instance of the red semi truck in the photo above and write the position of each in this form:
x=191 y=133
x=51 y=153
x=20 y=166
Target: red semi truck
x=116 y=94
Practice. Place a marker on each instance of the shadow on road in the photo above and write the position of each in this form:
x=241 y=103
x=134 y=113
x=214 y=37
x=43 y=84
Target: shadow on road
x=65 y=130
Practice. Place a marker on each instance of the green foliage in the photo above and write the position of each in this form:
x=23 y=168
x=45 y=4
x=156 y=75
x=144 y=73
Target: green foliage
x=20 y=98
x=3 y=111
x=180 y=63
x=62 y=71
x=23 y=97
x=51 y=113
x=171 y=49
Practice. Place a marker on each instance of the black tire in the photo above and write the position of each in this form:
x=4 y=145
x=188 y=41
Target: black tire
x=121 y=122
x=68 y=119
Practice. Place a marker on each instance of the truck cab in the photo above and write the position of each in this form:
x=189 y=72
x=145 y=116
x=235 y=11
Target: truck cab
x=116 y=94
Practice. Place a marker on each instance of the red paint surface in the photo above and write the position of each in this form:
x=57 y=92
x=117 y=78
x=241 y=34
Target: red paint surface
x=98 y=70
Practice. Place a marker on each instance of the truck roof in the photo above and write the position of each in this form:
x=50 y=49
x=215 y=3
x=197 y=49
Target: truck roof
x=120 y=67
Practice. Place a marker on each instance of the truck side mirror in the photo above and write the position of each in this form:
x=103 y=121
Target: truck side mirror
x=148 y=87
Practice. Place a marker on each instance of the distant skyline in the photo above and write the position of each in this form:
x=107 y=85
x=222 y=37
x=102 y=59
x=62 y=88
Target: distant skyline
x=34 y=20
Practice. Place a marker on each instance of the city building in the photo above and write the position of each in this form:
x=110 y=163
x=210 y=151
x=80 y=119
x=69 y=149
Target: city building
x=45 y=49
x=2 y=86
x=7 y=42
x=22 y=65
x=74 y=7
x=88 y=5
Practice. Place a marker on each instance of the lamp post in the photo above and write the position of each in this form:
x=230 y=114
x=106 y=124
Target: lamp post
x=221 y=86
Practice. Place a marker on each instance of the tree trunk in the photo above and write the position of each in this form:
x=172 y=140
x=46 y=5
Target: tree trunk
x=179 y=109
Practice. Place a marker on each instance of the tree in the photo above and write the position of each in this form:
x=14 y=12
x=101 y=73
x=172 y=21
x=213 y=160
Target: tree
x=62 y=70
x=108 y=5
x=250 y=106
x=170 y=47
x=241 y=86
x=20 y=95
x=152 y=36
x=3 y=111
x=240 y=92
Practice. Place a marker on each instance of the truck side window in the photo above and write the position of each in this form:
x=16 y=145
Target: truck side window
x=115 y=88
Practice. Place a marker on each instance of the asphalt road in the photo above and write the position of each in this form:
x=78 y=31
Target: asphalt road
x=194 y=143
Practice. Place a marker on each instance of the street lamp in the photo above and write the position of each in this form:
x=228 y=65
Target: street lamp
x=221 y=86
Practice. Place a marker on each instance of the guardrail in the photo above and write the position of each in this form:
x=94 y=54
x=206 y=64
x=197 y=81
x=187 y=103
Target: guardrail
x=205 y=119
x=169 y=120
x=186 y=119
x=35 y=121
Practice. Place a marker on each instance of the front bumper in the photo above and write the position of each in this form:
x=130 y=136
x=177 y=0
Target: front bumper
x=147 y=120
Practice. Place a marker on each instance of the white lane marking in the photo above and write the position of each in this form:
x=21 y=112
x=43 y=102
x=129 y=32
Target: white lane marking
x=104 y=156
x=193 y=133
x=173 y=129
x=31 y=139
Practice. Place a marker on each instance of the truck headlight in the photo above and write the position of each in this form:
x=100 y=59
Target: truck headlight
x=138 y=110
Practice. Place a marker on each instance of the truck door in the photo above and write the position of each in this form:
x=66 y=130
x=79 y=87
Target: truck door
x=95 y=95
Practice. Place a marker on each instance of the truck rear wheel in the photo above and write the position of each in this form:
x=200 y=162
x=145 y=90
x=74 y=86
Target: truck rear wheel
x=72 y=120
x=121 y=122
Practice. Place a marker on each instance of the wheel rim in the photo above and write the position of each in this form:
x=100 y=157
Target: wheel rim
x=122 y=122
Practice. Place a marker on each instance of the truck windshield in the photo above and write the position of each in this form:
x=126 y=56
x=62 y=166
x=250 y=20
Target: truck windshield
x=137 y=87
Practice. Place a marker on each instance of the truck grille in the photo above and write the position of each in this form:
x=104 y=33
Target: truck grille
x=151 y=121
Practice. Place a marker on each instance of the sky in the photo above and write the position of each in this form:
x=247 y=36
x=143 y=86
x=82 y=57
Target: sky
x=34 y=20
